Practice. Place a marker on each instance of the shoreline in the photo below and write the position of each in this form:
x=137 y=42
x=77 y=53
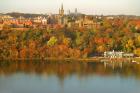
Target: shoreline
x=92 y=59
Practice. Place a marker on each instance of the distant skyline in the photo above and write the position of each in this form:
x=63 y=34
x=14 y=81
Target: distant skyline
x=94 y=7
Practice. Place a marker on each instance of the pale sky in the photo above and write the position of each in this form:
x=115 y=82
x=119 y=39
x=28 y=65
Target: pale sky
x=95 y=7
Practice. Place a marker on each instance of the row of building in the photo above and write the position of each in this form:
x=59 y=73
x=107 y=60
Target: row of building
x=72 y=19
x=55 y=20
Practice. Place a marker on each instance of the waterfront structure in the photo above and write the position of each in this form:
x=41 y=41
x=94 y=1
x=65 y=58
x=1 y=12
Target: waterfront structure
x=113 y=54
x=116 y=54
x=128 y=55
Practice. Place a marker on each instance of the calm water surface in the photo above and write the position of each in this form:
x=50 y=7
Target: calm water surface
x=69 y=77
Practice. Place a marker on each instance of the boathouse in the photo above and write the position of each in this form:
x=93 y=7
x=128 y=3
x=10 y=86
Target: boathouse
x=117 y=54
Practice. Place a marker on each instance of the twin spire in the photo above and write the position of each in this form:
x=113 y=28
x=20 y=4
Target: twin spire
x=61 y=10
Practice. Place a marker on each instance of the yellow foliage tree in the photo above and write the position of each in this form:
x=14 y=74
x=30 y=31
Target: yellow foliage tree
x=137 y=51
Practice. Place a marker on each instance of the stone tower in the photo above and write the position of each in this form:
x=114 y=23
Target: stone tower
x=76 y=11
x=61 y=11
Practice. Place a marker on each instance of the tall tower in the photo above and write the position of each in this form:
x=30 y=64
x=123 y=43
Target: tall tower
x=68 y=11
x=76 y=11
x=61 y=11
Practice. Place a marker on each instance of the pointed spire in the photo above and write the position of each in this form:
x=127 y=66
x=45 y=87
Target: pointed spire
x=75 y=10
x=68 y=11
x=62 y=6
x=61 y=11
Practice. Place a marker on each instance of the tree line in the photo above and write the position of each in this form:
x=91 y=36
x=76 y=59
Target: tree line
x=69 y=42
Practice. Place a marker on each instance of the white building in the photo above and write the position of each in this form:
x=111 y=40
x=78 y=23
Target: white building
x=114 y=54
x=44 y=21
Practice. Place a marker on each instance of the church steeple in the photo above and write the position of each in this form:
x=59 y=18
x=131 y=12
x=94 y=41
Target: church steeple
x=75 y=10
x=62 y=7
x=61 y=11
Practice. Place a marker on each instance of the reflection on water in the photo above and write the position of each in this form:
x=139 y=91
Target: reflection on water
x=69 y=77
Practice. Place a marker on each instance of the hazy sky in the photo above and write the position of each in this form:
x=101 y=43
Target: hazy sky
x=104 y=7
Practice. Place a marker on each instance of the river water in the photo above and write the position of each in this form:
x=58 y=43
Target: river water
x=69 y=77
